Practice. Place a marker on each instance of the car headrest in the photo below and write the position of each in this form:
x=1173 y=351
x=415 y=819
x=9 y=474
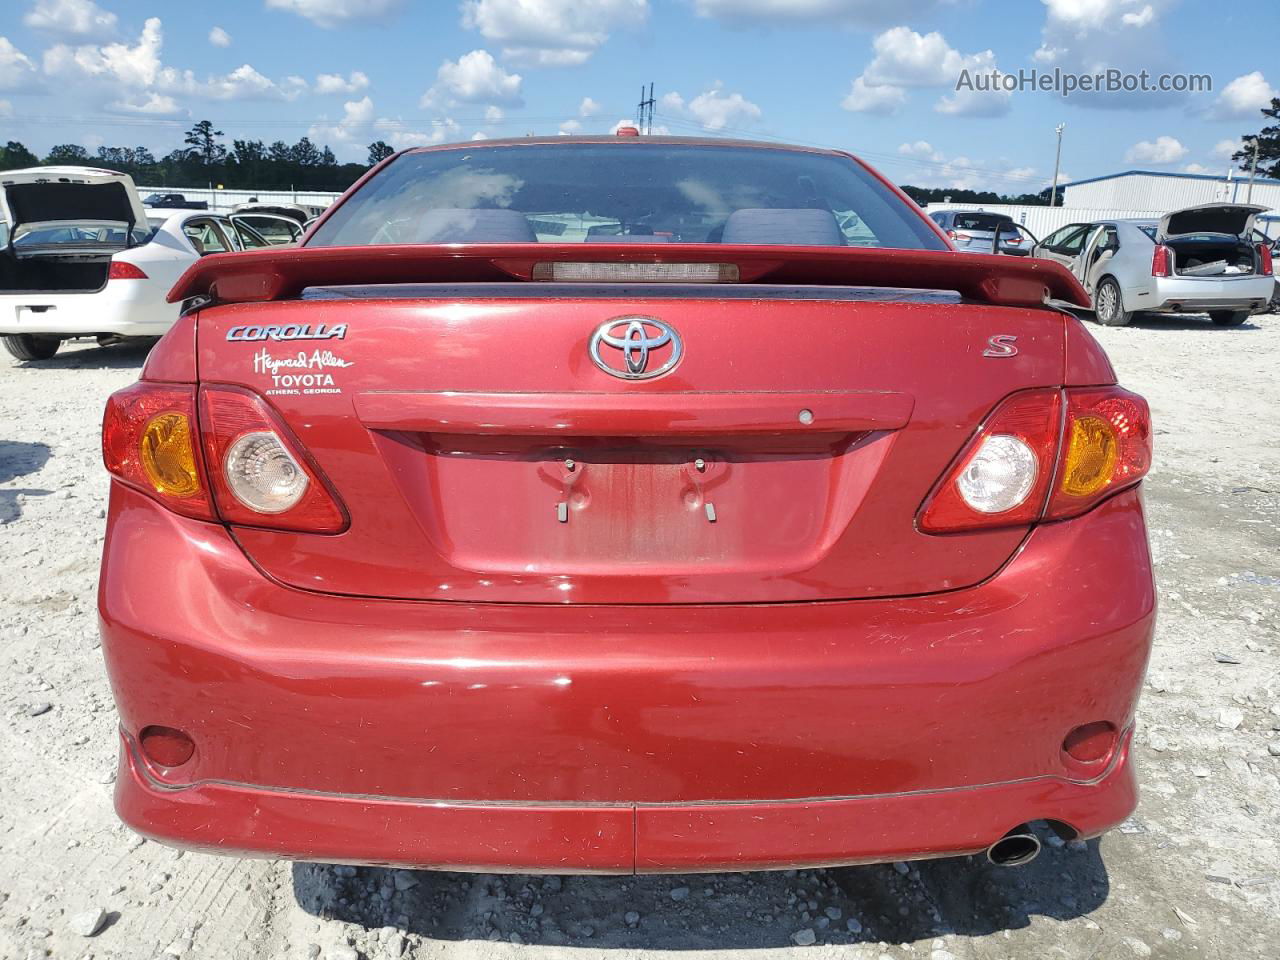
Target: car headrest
x=456 y=225
x=801 y=226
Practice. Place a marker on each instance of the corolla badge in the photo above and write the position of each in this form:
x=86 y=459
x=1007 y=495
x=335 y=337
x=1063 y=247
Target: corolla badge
x=649 y=348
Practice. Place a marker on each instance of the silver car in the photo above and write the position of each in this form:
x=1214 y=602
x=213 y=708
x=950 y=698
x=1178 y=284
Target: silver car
x=1199 y=260
x=974 y=231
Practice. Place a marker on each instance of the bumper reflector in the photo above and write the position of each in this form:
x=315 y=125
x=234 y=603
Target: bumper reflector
x=1091 y=742
x=165 y=746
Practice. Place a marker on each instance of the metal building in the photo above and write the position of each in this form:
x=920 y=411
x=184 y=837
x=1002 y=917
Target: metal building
x=1155 y=190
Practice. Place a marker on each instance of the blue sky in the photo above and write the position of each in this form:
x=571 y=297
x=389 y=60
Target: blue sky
x=876 y=77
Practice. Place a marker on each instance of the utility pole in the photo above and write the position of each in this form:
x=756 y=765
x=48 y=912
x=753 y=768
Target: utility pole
x=1253 y=171
x=1057 y=160
x=644 y=111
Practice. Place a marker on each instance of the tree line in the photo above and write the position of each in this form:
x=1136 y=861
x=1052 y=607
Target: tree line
x=204 y=158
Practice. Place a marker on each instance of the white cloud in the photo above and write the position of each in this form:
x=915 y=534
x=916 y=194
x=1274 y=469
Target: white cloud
x=219 y=37
x=929 y=167
x=71 y=18
x=1244 y=96
x=588 y=107
x=133 y=76
x=474 y=77
x=1196 y=168
x=1162 y=150
x=551 y=33
x=334 y=13
x=479 y=135
x=6 y=108
x=1140 y=18
x=1224 y=149
x=245 y=83
x=862 y=13
x=17 y=70
x=715 y=111
x=354 y=82
x=493 y=114
x=401 y=135
x=148 y=104
x=136 y=66
x=1093 y=36
x=905 y=59
x=570 y=126
x=356 y=123
x=879 y=100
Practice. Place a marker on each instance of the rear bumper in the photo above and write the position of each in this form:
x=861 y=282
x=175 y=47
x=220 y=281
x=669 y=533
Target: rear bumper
x=642 y=838
x=128 y=308
x=581 y=738
x=1178 y=295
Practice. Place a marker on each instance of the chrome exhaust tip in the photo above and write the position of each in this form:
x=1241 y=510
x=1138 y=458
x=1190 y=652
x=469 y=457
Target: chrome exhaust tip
x=1015 y=848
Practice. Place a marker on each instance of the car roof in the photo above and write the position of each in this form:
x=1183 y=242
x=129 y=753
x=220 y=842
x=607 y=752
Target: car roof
x=626 y=141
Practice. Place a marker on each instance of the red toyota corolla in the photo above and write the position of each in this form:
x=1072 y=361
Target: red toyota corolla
x=625 y=504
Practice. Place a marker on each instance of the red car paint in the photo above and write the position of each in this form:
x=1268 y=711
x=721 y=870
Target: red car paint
x=465 y=677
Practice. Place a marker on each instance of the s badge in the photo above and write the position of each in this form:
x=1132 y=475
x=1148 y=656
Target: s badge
x=1001 y=345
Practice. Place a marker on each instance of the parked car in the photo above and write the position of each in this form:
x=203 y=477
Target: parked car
x=174 y=201
x=442 y=541
x=1267 y=227
x=83 y=258
x=280 y=223
x=974 y=231
x=1199 y=260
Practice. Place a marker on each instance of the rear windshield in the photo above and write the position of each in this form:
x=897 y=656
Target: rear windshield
x=89 y=233
x=981 y=221
x=627 y=192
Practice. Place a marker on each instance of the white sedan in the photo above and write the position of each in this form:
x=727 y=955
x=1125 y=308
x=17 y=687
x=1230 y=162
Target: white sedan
x=80 y=256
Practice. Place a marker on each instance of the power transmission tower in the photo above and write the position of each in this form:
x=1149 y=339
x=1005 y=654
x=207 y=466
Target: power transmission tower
x=644 y=111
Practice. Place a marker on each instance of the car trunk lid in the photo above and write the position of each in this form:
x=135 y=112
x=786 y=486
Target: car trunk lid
x=1222 y=218
x=47 y=196
x=484 y=454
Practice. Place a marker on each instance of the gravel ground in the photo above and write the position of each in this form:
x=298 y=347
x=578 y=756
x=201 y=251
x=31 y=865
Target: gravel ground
x=1196 y=873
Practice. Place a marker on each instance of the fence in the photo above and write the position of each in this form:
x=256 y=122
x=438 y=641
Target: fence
x=1042 y=221
x=226 y=199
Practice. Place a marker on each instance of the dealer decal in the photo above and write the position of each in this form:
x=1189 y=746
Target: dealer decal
x=300 y=373
x=288 y=331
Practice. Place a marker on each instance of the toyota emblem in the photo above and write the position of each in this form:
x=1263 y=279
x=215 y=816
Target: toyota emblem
x=649 y=348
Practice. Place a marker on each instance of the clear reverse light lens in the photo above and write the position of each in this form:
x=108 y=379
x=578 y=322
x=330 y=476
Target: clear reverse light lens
x=263 y=475
x=1000 y=475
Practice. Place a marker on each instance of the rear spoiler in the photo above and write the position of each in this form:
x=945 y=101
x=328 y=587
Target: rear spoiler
x=283 y=273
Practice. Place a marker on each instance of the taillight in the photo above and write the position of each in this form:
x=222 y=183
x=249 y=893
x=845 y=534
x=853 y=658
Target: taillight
x=150 y=442
x=1265 y=265
x=261 y=474
x=123 y=270
x=1002 y=475
x=1106 y=446
x=1032 y=459
x=1160 y=260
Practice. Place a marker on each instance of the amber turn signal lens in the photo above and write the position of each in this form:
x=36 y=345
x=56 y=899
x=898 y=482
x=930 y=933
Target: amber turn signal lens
x=1091 y=457
x=168 y=455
